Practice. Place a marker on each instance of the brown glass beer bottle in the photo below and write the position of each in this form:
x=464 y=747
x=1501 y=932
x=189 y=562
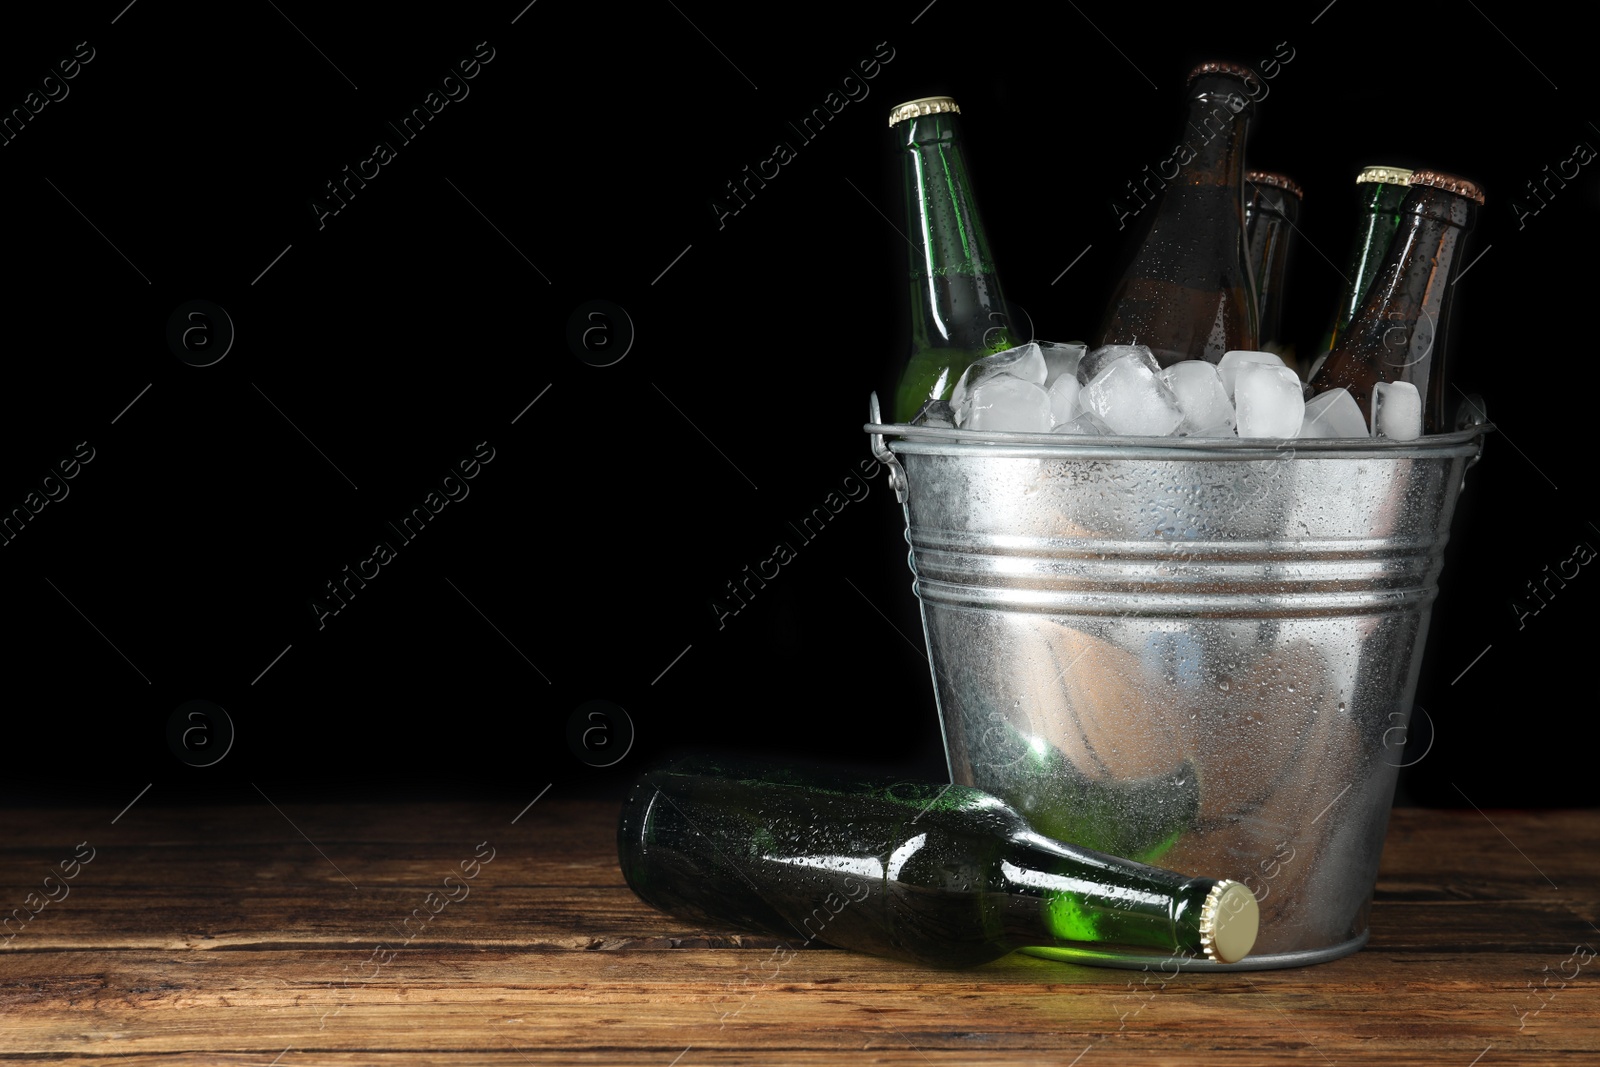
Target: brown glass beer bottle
x=1188 y=293
x=1271 y=211
x=1398 y=333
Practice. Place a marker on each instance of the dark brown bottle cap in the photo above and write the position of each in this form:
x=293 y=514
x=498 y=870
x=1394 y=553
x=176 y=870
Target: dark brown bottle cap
x=1438 y=179
x=927 y=105
x=1217 y=67
x=1277 y=181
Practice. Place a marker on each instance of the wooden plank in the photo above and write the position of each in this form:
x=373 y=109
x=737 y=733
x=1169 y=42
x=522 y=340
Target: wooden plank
x=262 y=1002
x=223 y=936
x=614 y=920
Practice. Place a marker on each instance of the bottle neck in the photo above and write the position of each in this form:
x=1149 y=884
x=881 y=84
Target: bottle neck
x=1379 y=219
x=956 y=309
x=1188 y=292
x=1062 y=896
x=1270 y=215
x=1266 y=203
x=1215 y=131
x=956 y=300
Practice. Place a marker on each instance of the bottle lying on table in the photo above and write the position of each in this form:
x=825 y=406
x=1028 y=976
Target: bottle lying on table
x=944 y=875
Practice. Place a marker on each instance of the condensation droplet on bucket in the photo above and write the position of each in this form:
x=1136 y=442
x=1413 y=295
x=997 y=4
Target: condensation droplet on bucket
x=1224 y=683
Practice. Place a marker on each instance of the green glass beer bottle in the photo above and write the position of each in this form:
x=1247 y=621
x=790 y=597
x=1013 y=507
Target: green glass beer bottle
x=1189 y=293
x=943 y=875
x=1398 y=333
x=1271 y=213
x=1379 y=191
x=958 y=313
x=1135 y=818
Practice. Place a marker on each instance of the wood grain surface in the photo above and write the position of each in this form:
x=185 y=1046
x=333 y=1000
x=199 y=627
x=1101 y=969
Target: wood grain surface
x=252 y=934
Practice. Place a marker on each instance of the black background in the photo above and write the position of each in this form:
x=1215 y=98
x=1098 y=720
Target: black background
x=382 y=346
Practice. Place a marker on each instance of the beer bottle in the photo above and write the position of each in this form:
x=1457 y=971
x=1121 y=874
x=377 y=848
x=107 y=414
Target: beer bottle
x=1188 y=293
x=1379 y=190
x=1137 y=818
x=944 y=875
x=1271 y=214
x=1398 y=332
x=957 y=311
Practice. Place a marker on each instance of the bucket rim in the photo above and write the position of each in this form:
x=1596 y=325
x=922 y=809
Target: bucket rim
x=947 y=440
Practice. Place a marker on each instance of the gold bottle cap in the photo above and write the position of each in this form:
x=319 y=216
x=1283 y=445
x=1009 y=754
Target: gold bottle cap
x=1384 y=174
x=927 y=105
x=1218 y=67
x=1277 y=181
x=1229 y=921
x=1438 y=179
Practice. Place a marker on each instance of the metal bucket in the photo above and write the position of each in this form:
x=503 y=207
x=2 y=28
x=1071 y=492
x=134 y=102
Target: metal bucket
x=1200 y=654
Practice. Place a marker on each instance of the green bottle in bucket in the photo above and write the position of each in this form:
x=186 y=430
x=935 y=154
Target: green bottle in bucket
x=958 y=313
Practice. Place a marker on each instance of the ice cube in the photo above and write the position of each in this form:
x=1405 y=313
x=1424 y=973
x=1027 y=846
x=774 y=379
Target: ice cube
x=1086 y=422
x=1201 y=398
x=1064 y=392
x=1024 y=361
x=1004 y=402
x=1228 y=368
x=1220 y=430
x=935 y=413
x=1094 y=362
x=1061 y=359
x=1334 y=413
x=1131 y=400
x=1396 y=411
x=1268 y=401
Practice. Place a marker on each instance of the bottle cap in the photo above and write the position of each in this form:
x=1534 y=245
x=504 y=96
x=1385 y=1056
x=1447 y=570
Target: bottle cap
x=1229 y=920
x=1277 y=181
x=1386 y=175
x=927 y=105
x=1438 y=179
x=1217 y=67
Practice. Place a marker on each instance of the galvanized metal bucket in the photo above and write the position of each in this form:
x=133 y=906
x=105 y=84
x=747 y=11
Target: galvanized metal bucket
x=1196 y=653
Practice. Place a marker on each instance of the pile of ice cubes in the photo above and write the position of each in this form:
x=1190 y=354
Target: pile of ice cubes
x=1042 y=387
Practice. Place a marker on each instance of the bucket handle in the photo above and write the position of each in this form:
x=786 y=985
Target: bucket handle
x=880 y=450
x=1471 y=416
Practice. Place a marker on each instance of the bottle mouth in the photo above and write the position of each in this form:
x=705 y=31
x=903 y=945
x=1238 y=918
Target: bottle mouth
x=1385 y=174
x=1438 y=179
x=1237 y=70
x=1275 y=181
x=927 y=105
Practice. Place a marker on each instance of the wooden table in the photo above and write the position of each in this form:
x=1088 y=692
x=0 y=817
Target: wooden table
x=248 y=935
